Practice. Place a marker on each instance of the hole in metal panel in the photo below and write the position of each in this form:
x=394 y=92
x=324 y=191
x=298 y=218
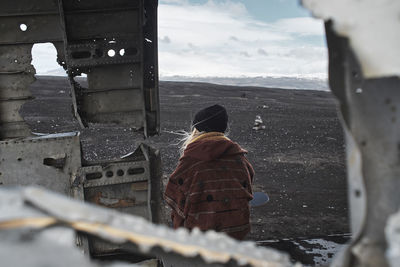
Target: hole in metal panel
x=122 y=52
x=357 y=193
x=81 y=54
x=94 y=175
x=133 y=171
x=23 y=27
x=131 y=51
x=111 y=53
x=120 y=172
x=19 y=159
x=109 y=174
x=58 y=163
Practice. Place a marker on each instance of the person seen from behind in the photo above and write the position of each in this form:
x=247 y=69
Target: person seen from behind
x=212 y=185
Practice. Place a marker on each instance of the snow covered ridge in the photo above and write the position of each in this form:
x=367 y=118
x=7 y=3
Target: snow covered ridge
x=267 y=81
x=372 y=28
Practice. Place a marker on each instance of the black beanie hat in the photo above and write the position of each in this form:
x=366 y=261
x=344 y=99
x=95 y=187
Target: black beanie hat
x=211 y=119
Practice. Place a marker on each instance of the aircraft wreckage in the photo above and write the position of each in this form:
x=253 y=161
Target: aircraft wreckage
x=115 y=44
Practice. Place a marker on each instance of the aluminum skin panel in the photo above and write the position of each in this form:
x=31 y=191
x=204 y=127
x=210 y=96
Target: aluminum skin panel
x=51 y=161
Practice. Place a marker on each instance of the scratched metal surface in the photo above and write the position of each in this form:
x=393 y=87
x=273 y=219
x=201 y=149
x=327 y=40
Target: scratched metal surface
x=20 y=208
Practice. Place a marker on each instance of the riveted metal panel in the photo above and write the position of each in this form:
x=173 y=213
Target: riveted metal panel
x=51 y=161
x=91 y=54
x=126 y=76
x=14 y=130
x=23 y=7
x=124 y=185
x=91 y=25
x=39 y=29
x=93 y=5
x=16 y=74
x=9 y=110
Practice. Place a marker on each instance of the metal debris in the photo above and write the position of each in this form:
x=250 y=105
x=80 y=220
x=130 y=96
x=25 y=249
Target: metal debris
x=35 y=208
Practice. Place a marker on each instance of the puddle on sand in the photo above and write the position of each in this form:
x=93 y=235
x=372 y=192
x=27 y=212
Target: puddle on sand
x=310 y=251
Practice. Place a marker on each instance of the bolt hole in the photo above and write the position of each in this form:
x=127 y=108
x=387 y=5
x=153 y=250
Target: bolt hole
x=122 y=52
x=109 y=174
x=357 y=193
x=94 y=176
x=120 y=172
x=135 y=171
x=19 y=159
x=111 y=53
x=23 y=27
x=363 y=143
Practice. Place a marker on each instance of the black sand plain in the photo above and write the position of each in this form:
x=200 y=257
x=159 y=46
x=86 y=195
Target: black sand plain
x=298 y=157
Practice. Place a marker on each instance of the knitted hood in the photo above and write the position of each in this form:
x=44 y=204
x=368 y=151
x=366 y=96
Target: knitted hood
x=211 y=146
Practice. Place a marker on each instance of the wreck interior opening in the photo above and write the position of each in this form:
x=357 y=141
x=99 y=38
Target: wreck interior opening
x=102 y=178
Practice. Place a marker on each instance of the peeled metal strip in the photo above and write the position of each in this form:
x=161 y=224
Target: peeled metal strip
x=120 y=228
x=39 y=222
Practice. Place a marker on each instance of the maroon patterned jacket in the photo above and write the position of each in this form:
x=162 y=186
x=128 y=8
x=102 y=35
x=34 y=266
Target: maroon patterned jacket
x=211 y=187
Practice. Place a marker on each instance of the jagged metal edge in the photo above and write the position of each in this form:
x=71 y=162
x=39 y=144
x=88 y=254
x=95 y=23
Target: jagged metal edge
x=120 y=228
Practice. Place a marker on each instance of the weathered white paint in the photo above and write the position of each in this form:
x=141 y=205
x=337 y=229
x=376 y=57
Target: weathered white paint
x=392 y=232
x=373 y=28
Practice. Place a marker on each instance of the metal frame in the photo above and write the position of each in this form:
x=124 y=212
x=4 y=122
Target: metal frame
x=370 y=113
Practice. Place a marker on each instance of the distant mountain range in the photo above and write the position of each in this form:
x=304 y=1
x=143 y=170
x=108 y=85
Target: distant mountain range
x=304 y=83
x=272 y=82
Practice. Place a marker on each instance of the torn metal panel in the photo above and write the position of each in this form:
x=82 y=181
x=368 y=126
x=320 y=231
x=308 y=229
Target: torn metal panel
x=370 y=110
x=16 y=74
x=372 y=28
x=51 y=161
x=150 y=67
x=89 y=35
x=98 y=41
x=123 y=185
x=210 y=248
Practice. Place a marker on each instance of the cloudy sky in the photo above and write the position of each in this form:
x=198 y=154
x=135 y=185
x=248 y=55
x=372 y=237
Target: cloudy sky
x=232 y=38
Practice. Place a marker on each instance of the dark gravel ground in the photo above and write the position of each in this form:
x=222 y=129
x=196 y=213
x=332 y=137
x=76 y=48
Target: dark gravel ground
x=298 y=157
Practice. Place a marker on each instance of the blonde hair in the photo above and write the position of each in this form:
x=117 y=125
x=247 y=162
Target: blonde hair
x=189 y=137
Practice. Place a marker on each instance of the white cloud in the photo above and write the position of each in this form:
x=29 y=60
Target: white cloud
x=304 y=26
x=224 y=40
